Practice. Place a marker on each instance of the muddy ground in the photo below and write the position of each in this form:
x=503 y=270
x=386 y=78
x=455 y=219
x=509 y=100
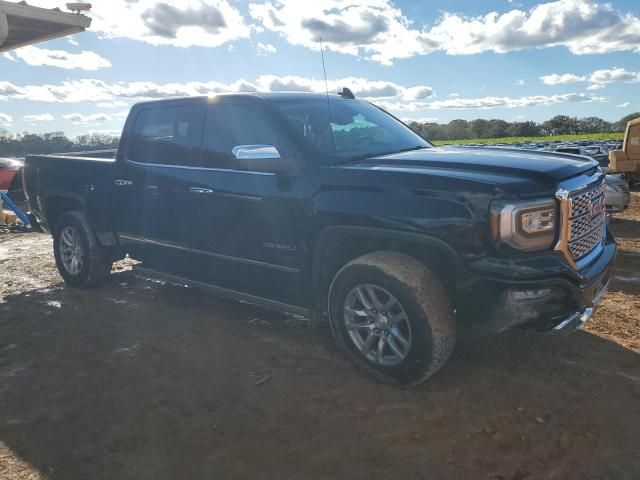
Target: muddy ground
x=139 y=380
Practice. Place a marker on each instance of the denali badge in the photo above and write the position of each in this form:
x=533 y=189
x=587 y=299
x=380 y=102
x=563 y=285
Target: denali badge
x=279 y=246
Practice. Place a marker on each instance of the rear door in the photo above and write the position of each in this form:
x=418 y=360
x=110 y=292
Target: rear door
x=151 y=182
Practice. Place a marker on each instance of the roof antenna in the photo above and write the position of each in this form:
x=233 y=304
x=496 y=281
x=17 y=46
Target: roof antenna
x=326 y=85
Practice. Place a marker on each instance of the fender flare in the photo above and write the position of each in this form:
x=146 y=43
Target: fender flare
x=59 y=194
x=381 y=233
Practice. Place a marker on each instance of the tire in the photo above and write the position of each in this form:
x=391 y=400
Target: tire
x=422 y=343
x=95 y=265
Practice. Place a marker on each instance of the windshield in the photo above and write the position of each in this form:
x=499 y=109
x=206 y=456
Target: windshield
x=358 y=129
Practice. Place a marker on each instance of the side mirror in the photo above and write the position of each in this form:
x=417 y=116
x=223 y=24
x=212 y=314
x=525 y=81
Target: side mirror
x=260 y=158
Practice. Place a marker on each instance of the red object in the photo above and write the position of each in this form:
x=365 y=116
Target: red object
x=6 y=177
x=8 y=170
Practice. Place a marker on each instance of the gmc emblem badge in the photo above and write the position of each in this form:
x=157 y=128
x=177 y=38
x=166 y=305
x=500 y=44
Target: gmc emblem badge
x=597 y=207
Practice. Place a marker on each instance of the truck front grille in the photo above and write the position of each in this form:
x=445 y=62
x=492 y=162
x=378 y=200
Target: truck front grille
x=586 y=222
x=583 y=219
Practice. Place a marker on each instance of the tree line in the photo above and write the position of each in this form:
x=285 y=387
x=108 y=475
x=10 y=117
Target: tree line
x=481 y=128
x=29 y=143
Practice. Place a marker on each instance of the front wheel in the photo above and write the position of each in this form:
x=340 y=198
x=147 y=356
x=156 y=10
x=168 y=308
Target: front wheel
x=81 y=260
x=392 y=317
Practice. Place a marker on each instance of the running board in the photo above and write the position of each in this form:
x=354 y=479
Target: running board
x=147 y=273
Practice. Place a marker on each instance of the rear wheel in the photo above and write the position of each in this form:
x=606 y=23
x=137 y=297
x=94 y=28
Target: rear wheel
x=81 y=260
x=392 y=317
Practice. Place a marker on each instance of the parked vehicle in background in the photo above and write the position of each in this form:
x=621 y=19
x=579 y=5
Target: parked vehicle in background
x=313 y=203
x=627 y=160
x=9 y=168
x=617 y=194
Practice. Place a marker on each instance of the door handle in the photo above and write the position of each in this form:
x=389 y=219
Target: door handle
x=123 y=183
x=200 y=191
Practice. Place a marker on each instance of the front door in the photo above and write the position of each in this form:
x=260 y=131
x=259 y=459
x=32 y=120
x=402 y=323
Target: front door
x=248 y=224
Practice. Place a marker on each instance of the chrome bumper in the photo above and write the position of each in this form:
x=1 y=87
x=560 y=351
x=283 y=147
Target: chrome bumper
x=576 y=320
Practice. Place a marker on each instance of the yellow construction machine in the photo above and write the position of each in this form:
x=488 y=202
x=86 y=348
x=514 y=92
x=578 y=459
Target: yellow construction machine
x=627 y=160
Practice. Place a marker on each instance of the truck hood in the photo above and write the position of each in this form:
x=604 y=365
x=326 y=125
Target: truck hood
x=548 y=167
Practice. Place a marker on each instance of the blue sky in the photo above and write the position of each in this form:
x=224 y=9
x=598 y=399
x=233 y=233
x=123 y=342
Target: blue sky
x=516 y=60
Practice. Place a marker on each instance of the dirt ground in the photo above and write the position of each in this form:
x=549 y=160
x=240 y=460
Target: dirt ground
x=139 y=380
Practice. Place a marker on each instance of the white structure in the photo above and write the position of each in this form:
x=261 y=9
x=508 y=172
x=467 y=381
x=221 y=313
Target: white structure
x=22 y=24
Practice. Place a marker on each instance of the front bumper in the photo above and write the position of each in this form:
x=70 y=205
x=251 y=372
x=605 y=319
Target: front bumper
x=561 y=301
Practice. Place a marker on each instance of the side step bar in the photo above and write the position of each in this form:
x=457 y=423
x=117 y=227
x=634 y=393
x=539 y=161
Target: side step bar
x=147 y=273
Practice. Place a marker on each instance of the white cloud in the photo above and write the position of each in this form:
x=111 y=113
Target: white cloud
x=520 y=82
x=380 y=31
x=72 y=41
x=87 y=90
x=94 y=118
x=43 y=117
x=265 y=48
x=511 y=102
x=106 y=133
x=375 y=28
x=597 y=79
x=39 y=57
x=6 y=119
x=389 y=95
x=114 y=104
x=9 y=57
x=205 y=23
x=486 y=103
x=420 y=120
x=563 y=79
x=624 y=105
x=616 y=74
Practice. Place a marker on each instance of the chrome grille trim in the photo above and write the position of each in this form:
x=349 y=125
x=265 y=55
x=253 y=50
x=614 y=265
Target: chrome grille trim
x=581 y=231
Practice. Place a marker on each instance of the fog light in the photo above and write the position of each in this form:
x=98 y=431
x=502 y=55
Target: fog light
x=530 y=294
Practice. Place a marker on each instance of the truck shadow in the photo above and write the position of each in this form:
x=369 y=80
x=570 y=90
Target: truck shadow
x=143 y=380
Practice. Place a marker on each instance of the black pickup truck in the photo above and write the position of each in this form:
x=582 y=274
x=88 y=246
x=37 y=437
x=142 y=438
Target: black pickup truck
x=328 y=204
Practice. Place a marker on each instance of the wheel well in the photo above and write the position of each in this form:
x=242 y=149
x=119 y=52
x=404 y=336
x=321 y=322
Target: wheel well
x=58 y=205
x=336 y=249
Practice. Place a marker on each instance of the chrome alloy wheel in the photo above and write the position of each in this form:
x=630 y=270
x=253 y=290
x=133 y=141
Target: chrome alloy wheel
x=71 y=250
x=377 y=324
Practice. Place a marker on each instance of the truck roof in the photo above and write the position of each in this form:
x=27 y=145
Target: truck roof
x=271 y=96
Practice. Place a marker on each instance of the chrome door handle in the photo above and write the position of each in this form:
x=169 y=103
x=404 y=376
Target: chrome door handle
x=123 y=183
x=201 y=191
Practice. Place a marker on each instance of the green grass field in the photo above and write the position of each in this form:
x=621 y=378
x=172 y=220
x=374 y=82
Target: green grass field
x=562 y=138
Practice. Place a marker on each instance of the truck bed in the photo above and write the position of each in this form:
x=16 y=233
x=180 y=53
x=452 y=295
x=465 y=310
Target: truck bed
x=77 y=180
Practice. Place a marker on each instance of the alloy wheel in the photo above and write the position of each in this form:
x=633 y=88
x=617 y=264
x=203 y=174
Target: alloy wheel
x=377 y=324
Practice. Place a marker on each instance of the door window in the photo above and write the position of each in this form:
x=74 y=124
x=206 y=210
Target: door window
x=164 y=135
x=230 y=125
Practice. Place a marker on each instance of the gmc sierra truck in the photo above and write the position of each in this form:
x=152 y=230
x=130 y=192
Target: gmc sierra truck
x=311 y=203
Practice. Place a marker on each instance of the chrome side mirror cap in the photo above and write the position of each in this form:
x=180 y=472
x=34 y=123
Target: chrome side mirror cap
x=262 y=158
x=255 y=152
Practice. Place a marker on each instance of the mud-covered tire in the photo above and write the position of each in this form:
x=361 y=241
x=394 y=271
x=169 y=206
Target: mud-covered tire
x=427 y=307
x=97 y=261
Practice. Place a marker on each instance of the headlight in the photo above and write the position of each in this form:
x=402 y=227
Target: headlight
x=527 y=225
